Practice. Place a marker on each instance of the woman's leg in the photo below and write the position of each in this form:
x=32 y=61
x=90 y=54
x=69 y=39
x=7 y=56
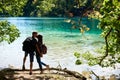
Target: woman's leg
x=47 y=66
x=39 y=61
x=43 y=63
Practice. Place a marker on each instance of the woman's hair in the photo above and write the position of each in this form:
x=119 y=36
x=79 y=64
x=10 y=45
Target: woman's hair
x=40 y=39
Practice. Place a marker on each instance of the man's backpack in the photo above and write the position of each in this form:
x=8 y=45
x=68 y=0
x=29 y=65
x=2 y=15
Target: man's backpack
x=27 y=44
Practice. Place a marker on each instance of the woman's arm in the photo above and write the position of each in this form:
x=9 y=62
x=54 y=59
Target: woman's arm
x=38 y=50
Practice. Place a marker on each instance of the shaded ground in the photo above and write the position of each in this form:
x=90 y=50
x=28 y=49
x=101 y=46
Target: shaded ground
x=52 y=74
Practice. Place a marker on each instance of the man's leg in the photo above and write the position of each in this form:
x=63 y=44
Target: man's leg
x=24 y=60
x=31 y=61
x=31 y=65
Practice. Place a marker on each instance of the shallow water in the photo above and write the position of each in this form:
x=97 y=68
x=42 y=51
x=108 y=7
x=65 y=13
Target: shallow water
x=60 y=39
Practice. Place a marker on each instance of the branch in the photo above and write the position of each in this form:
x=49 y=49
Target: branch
x=106 y=42
x=95 y=74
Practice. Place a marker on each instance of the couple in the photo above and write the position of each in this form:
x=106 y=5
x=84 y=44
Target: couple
x=34 y=45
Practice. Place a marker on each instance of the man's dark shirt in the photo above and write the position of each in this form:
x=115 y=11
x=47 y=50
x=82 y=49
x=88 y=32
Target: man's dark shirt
x=33 y=45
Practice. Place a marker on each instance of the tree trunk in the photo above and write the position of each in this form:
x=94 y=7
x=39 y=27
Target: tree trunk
x=106 y=42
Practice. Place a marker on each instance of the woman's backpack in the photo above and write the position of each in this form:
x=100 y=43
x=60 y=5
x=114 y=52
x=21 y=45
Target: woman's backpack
x=44 y=49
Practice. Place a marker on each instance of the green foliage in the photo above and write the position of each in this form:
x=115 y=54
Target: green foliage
x=8 y=32
x=43 y=7
x=12 y=7
x=118 y=60
x=101 y=51
x=88 y=57
x=78 y=62
x=111 y=21
x=110 y=26
x=77 y=55
x=94 y=59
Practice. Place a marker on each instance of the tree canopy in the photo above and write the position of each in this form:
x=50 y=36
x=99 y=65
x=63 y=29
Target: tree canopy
x=8 y=32
x=47 y=7
x=11 y=7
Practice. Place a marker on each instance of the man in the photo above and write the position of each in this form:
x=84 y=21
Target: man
x=30 y=48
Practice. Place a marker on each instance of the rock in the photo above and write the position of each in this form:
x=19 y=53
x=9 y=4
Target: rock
x=112 y=77
x=102 y=77
x=87 y=74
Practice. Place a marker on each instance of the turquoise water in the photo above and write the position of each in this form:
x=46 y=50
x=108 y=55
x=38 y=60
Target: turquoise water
x=60 y=39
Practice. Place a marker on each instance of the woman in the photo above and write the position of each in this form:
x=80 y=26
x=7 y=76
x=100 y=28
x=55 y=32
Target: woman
x=39 y=53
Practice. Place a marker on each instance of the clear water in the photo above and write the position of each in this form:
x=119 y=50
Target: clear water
x=60 y=39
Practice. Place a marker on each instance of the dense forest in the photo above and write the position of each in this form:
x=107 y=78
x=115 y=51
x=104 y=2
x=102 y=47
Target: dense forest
x=51 y=8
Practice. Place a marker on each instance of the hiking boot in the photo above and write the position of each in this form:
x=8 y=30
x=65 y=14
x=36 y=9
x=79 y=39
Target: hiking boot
x=41 y=72
x=47 y=66
x=30 y=73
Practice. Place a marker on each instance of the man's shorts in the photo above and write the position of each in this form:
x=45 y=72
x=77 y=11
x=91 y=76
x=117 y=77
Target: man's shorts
x=31 y=55
x=26 y=53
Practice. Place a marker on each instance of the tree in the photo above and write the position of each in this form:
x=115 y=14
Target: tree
x=8 y=32
x=110 y=26
x=11 y=7
x=45 y=7
x=28 y=8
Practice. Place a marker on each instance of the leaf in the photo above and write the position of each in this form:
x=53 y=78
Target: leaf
x=8 y=32
x=77 y=55
x=78 y=62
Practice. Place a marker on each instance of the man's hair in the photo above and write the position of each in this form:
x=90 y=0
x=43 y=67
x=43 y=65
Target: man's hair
x=34 y=33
